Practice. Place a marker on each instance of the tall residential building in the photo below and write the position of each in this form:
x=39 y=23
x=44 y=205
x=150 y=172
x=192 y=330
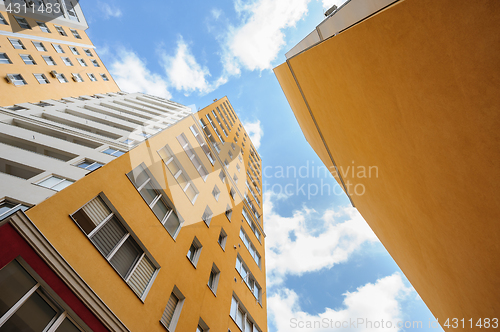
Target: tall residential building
x=123 y=211
x=410 y=89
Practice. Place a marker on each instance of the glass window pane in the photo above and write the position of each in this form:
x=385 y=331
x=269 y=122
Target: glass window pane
x=139 y=176
x=172 y=166
x=84 y=164
x=182 y=180
x=14 y=283
x=94 y=166
x=62 y=185
x=124 y=259
x=172 y=223
x=108 y=236
x=191 y=193
x=33 y=316
x=6 y=206
x=160 y=210
x=148 y=193
x=119 y=153
x=50 y=182
x=67 y=326
x=109 y=151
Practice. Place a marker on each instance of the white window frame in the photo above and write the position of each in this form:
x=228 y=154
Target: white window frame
x=49 y=60
x=30 y=61
x=43 y=27
x=214 y=278
x=77 y=77
x=223 y=236
x=42 y=79
x=67 y=61
x=104 y=77
x=92 y=77
x=5 y=60
x=237 y=306
x=58 y=48
x=62 y=179
x=74 y=50
x=193 y=157
x=60 y=30
x=17 y=44
x=216 y=193
x=22 y=22
x=194 y=256
x=75 y=34
x=81 y=62
x=17 y=79
x=207 y=215
x=39 y=46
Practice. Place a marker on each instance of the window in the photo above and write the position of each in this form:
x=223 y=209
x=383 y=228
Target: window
x=43 y=27
x=156 y=199
x=232 y=192
x=39 y=46
x=104 y=77
x=75 y=33
x=49 y=60
x=226 y=163
x=173 y=309
x=87 y=52
x=113 y=152
x=240 y=158
x=7 y=207
x=249 y=279
x=81 y=62
x=41 y=78
x=60 y=30
x=61 y=78
x=238 y=168
x=29 y=306
x=89 y=165
x=235 y=178
x=4 y=59
x=213 y=279
x=67 y=61
x=27 y=59
x=95 y=63
x=92 y=77
x=194 y=251
x=55 y=183
x=2 y=20
x=241 y=317
x=222 y=239
x=16 y=79
x=216 y=193
x=58 y=48
x=128 y=141
x=74 y=50
x=251 y=248
x=77 y=77
x=71 y=11
x=250 y=223
x=202 y=326
x=229 y=212
x=233 y=146
x=17 y=44
x=117 y=244
x=192 y=156
x=230 y=154
x=202 y=143
x=207 y=215
x=179 y=173
x=222 y=176
x=22 y=22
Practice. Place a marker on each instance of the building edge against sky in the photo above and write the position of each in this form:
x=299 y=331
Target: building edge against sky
x=411 y=87
x=120 y=211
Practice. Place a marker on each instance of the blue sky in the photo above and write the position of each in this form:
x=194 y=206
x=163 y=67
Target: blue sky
x=323 y=261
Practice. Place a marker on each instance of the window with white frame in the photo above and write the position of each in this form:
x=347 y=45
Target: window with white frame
x=89 y=165
x=60 y=30
x=207 y=215
x=202 y=143
x=27 y=59
x=41 y=78
x=241 y=317
x=156 y=199
x=235 y=178
x=194 y=251
x=202 y=326
x=233 y=146
x=249 y=279
x=238 y=168
x=17 y=44
x=113 y=152
x=3 y=20
x=88 y=52
x=250 y=222
x=49 y=60
x=55 y=183
x=81 y=62
x=16 y=79
x=28 y=304
x=71 y=11
x=58 y=48
x=104 y=77
x=173 y=309
x=75 y=34
x=61 y=78
x=77 y=77
x=74 y=50
x=240 y=158
x=119 y=246
x=39 y=46
x=95 y=63
x=230 y=154
x=216 y=193
x=67 y=61
x=22 y=22
x=222 y=176
x=43 y=27
x=92 y=77
x=4 y=59
x=222 y=239
x=186 y=146
x=179 y=173
x=232 y=193
x=249 y=245
x=213 y=279
x=7 y=207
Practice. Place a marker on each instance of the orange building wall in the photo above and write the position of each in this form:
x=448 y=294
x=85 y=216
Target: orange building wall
x=34 y=91
x=414 y=91
x=52 y=218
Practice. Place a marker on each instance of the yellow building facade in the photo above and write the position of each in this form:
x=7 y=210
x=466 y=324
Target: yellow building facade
x=410 y=89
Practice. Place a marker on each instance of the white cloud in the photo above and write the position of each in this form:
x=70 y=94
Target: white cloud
x=306 y=250
x=185 y=73
x=132 y=75
x=216 y=13
x=371 y=302
x=255 y=132
x=255 y=44
x=110 y=10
